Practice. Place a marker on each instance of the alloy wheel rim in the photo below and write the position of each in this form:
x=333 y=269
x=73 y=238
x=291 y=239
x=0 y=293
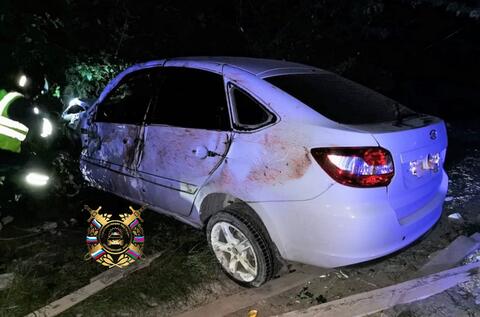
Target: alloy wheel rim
x=234 y=251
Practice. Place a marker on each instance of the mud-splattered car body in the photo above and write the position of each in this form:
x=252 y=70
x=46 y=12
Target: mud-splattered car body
x=191 y=173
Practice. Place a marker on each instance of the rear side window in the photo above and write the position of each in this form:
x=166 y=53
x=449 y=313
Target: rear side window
x=128 y=101
x=340 y=99
x=249 y=114
x=190 y=98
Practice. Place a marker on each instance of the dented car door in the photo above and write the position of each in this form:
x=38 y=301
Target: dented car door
x=110 y=156
x=186 y=137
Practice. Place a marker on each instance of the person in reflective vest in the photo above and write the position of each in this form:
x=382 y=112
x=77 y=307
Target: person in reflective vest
x=12 y=132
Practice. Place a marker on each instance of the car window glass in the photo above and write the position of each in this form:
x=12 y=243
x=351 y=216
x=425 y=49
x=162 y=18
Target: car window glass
x=340 y=99
x=249 y=113
x=190 y=98
x=128 y=102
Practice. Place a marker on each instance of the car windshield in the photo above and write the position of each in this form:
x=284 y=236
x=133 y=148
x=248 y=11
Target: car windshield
x=340 y=99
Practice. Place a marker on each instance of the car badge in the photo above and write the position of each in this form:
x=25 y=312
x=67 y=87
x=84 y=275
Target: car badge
x=433 y=134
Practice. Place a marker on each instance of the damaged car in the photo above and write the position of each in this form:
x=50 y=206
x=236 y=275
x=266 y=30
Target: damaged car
x=274 y=160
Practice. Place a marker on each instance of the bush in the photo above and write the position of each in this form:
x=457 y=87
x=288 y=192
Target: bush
x=86 y=79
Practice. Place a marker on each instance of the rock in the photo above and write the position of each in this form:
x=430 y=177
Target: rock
x=448 y=198
x=6 y=280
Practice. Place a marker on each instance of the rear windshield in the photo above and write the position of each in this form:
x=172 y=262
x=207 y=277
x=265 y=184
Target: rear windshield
x=340 y=99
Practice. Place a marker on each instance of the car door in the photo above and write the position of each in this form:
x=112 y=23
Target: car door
x=114 y=135
x=186 y=137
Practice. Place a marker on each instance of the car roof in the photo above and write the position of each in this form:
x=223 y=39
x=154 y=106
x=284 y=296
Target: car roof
x=261 y=67
x=256 y=66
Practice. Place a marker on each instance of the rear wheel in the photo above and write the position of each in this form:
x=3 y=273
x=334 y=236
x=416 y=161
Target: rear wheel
x=242 y=247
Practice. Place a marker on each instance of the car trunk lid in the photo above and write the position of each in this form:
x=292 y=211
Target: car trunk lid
x=418 y=147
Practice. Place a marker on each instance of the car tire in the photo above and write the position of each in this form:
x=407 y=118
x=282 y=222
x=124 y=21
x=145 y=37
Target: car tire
x=241 y=246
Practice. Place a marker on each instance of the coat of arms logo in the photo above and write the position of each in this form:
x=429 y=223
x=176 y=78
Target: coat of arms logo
x=115 y=242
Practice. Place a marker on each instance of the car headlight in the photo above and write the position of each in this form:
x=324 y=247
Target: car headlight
x=47 y=128
x=37 y=179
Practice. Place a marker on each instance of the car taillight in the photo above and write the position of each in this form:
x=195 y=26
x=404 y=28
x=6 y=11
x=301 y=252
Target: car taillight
x=357 y=167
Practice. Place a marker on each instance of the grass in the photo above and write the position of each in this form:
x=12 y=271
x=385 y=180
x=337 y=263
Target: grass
x=49 y=269
x=185 y=265
x=52 y=264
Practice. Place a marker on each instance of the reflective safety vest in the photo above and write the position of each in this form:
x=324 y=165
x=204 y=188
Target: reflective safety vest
x=12 y=133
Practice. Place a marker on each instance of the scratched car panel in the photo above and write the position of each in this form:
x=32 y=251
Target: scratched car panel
x=334 y=177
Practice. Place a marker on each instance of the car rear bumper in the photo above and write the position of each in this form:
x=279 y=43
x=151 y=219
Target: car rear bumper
x=346 y=225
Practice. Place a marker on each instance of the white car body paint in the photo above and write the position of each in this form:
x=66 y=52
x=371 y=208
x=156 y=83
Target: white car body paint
x=309 y=216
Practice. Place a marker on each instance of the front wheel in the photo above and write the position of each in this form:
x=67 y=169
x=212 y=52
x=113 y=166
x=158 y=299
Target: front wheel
x=242 y=247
